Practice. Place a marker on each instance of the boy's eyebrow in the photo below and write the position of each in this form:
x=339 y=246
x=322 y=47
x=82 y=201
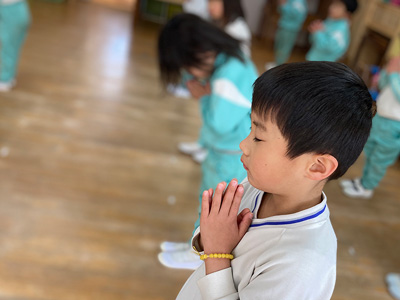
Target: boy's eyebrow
x=260 y=125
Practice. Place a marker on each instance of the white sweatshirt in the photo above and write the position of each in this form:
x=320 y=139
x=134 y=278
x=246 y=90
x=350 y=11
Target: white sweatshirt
x=287 y=257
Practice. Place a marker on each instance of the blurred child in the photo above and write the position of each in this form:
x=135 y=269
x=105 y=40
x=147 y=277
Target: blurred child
x=221 y=79
x=331 y=38
x=14 y=22
x=271 y=237
x=229 y=16
x=383 y=146
x=293 y=13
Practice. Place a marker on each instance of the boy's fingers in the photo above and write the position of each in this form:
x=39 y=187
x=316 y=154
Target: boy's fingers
x=216 y=201
x=228 y=197
x=242 y=214
x=205 y=205
x=210 y=192
x=244 y=225
x=236 y=200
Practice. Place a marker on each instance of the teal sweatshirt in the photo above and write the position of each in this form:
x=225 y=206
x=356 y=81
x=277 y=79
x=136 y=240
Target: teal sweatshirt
x=331 y=43
x=226 y=111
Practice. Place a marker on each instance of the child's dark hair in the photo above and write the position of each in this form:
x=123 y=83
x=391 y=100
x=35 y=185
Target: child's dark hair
x=182 y=41
x=319 y=107
x=232 y=11
x=351 y=5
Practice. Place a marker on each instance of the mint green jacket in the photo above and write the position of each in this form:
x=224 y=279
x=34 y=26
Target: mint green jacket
x=331 y=43
x=226 y=111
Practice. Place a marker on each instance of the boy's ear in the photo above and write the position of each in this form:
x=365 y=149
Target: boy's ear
x=322 y=166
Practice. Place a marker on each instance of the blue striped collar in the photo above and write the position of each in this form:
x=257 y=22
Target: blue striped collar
x=293 y=221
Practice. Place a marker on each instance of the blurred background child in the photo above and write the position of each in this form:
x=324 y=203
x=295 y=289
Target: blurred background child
x=221 y=79
x=383 y=146
x=227 y=15
x=292 y=16
x=14 y=23
x=330 y=39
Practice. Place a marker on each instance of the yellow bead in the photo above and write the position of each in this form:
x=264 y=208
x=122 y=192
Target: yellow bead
x=223 y=255
x=211 y=256
x=219 y=255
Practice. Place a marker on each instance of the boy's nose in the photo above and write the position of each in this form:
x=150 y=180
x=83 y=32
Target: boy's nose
x=243 y=147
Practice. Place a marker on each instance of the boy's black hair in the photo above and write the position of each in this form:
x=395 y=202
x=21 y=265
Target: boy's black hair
x=184 y=39
x=351 y=5
x=232 y=10
x=319 y=107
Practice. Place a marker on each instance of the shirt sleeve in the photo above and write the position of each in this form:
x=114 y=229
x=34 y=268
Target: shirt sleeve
x=218 y=285
x=305 y=280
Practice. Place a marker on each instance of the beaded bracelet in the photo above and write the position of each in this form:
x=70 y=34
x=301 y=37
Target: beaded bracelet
x=216 y=255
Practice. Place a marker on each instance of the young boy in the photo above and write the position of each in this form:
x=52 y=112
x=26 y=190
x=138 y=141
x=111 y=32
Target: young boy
x=331 y=38
x=310 y=121
x=383 y=146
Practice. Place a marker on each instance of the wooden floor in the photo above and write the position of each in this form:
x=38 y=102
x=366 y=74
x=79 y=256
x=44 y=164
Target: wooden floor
x=91 y=181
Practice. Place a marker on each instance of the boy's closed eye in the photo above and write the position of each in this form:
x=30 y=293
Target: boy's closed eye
x=255 y=139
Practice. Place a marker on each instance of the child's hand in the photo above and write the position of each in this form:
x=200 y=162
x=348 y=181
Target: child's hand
x=316 y=25
x=393 y=65
x=197 y=90
x=221 y=226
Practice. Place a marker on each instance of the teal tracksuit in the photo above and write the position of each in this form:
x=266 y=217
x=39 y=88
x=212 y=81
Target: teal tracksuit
x=293 y=13
x=226 y=121
x=331 y=43
x=383 y=146
x=14 y=22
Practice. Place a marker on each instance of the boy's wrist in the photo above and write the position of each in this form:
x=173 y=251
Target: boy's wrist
x=216 y=250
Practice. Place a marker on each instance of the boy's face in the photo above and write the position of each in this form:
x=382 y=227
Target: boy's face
x=337 y=10
x=264 y=158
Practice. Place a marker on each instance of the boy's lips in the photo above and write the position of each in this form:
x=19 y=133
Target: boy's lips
x=244 y=166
